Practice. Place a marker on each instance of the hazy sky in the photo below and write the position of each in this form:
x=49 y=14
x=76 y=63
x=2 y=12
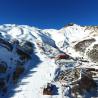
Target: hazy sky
x=49 y=13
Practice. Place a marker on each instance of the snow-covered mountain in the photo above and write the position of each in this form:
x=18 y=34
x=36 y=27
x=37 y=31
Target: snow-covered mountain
x=32 y=58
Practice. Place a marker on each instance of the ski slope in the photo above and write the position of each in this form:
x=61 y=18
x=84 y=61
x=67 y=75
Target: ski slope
x=35 y=81
x=41 y=68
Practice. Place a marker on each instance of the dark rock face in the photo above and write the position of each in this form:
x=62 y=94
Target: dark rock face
x=27 y=47
x=3 y=67
x=6 y=44
x=82 y=45
x=93 y=55
x=50 y=90
x=3 y=85
x=19 y=70
x=70 y=24
x=47 y=90
x=87 y=83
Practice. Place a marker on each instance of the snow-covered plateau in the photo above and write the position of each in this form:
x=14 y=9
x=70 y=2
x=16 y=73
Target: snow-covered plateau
x=48 y=63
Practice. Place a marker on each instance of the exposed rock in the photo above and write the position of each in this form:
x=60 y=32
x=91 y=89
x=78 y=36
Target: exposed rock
x=69 y=75
x=27 y=47
x=95 y=46
x=82 y=45
x=3 y=85
x=70 y=24
x=19 y=70
x=3 y=67
x=87 y=83
x=48 y=90
x=6 y=44
x=93 y=55
x=23 y=55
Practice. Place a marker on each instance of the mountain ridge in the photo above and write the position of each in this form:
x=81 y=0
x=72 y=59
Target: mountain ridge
x=48 y=54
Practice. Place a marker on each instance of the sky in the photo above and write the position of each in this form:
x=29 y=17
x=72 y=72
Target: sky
x=49 y=13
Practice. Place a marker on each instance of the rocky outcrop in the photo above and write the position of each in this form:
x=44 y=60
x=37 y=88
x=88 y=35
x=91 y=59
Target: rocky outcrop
x=82 y=45
x=93 y=53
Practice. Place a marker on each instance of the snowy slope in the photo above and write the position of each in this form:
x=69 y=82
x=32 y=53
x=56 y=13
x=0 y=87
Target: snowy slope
x=35 y=50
